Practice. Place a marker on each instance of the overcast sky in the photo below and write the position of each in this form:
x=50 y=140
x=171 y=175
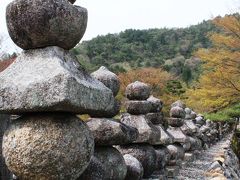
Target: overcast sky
x=112 y=16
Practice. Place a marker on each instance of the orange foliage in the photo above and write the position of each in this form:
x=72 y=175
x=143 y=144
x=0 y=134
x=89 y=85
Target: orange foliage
x=156 y=78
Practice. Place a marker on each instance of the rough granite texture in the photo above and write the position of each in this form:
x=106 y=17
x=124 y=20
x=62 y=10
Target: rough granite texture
x=165 y=137
x=111 y=132
x=134 y=168
x=94 y=171
x=137 y=91
x=138 y=107
x=113 y=162
x=148 y=133
x=42 y=23
x=157 y=104
x=51 y=79
x=175 y=122
x=144 y=153
x=156 y=118
x=163 y=157
x=47 y=146
x=177 y=112
x=108 y=78
x=178 y=135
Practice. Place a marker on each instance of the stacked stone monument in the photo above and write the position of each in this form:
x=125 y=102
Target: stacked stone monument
x=180 y=140
x=107 y=132
x=193 y=132
x=138 y=106
x=163 y=156
x=47 y=86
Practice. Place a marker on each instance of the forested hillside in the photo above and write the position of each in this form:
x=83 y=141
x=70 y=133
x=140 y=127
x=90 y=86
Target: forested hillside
x=171 y=49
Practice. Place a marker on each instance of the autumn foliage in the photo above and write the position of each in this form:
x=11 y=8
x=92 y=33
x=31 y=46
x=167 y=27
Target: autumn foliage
x=157 y=78
x=219 y=86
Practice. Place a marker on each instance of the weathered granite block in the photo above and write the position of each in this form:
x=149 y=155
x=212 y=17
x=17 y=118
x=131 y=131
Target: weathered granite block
x=47 y=146
x=51 y=79
x=108 y=78
x=42 y=23
x=134 y=168
x=144 y=153
x=148 y=133
x=111 y=132
x=137 y=91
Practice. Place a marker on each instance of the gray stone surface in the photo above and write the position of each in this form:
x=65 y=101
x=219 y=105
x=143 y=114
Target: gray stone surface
x=177 y=112
x=138 y=107
x=108 y=78
x=137 y=91
x=186 y=146
x=94 y=171
x=51 y=79
x=148 y=133
x=47 y=146
x=144 y=153
x=163 y=157
x=111 y=113
x=175 y=122
x=42 y=23
x=193 y=128
x=179 y=103
x=155 y=118
x=134 y=168
x=176 y=152
x=113 y=162
x=157 y=104
x=200 y=120
x=165 y=137
x=178 y=135
x=111 y=132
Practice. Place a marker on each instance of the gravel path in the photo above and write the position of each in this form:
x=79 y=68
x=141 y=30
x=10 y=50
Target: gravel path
x=196 y=170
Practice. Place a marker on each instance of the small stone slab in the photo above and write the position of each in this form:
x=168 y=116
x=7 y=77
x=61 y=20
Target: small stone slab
x=178 y=135
x=175 y=122
x=51 y=79
x=155 y=118
x=111 y=132
x=148 y=133
x=165 y=137
x=138 y=107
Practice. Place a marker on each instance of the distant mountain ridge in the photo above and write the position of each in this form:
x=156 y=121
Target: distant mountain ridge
x=133 y=49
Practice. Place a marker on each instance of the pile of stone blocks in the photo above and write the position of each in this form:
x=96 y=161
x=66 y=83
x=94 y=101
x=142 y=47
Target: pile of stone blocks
x=108 y=162
x=46 y=86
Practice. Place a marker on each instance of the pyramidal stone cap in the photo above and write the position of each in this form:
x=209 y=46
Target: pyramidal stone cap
x=108 y=78
x=40 y=23
x=51 y=79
